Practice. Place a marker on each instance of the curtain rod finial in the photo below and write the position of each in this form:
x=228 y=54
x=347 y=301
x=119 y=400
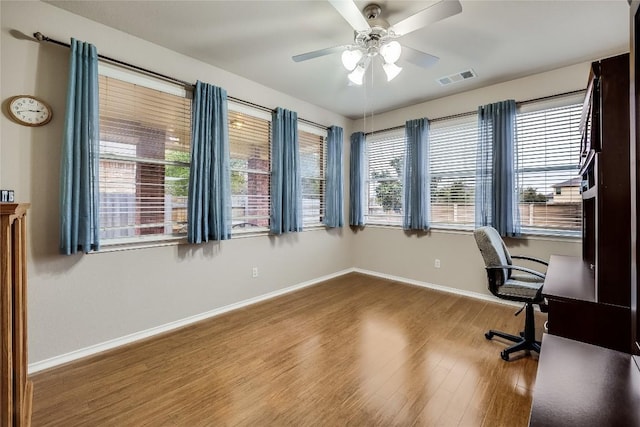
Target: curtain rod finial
x=39 y=36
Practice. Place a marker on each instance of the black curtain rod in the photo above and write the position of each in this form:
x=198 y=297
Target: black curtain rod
x=470 y=113
x=42 y=38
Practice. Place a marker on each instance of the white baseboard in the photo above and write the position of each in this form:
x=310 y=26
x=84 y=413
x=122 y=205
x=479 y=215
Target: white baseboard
x=128 y=339
x=428 y=285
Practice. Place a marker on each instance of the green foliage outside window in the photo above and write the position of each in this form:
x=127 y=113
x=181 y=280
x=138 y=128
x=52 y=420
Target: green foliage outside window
x=457 y=192
x=389 y=188
x=531 y=195
x=177 y=176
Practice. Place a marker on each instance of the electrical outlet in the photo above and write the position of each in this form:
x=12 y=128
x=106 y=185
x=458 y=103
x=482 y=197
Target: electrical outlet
x=437 y=263
x=254 y=272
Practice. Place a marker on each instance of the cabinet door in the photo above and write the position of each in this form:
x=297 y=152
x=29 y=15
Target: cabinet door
x=613 y=253
x=635 y=174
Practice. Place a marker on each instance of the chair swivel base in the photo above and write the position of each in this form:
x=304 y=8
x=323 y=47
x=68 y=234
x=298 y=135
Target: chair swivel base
x=525 y=341
x=520 y=343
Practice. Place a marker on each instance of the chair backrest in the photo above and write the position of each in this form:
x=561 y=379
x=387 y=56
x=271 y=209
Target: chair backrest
x=493 y=250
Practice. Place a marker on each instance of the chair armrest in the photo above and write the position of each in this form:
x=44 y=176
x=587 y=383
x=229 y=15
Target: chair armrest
x=524 y=269
x=528 y=258
x=515 y=267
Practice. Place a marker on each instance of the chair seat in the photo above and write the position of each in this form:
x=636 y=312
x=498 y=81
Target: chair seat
x=519 y=288
x=529 y=278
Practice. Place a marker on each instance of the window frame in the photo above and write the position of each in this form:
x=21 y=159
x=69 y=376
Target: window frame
x=573 y=101
x=467 y=120
x=321 y=133
x=154 y=83
x=390 y=136
x=257 y=113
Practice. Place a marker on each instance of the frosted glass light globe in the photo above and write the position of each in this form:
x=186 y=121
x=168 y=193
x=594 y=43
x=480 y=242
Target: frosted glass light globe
x=391 y=52
x=391 y=70
x=350 y=58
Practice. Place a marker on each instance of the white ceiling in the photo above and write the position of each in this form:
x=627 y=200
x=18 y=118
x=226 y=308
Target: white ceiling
x=500 y=40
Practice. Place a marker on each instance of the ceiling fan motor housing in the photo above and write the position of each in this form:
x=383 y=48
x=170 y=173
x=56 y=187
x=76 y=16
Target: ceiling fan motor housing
x=371 y=11
x=371 y=40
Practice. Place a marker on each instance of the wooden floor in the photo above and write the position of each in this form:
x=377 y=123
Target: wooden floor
x=356 y=350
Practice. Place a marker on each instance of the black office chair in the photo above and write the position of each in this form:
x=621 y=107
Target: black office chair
x=514 y=283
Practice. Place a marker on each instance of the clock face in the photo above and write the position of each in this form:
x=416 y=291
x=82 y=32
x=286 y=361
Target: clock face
x=29 y=111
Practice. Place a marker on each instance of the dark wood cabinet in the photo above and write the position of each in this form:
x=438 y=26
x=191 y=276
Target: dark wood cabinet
x=634 y=112
x=606 y=180
x=590 y=298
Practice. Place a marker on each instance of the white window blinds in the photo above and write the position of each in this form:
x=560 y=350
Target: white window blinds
x=313 y=161
x=548 y=158
x=250 y=161
x=144 y=158
x=452 y=161
x=385 y=158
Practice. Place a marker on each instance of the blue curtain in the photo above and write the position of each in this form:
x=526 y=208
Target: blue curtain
x=496 y=177
x=286 y=188
x=333 y=195
x=417 y=192
x=209 y=206
x=357 y=180
x=79 y=192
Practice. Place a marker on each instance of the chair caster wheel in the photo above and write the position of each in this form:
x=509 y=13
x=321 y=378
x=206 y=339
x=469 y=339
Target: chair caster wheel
x=488 y=335
x=504 y=355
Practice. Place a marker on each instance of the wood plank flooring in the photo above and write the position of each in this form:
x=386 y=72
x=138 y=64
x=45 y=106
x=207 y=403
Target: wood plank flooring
x=356 y=350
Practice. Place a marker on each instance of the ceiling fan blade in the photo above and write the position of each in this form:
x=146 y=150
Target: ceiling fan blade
x=434 y=13
x=351 y=13
x=317 y=53
x=418 y=58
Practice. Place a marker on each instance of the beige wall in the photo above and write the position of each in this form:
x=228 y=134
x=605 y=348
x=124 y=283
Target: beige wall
x=79 y=301
x=412 y=256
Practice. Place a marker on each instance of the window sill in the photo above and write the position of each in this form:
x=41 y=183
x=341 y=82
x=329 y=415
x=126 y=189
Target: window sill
x=116 y=245
x=255 y=232
x=530 y=235
x=313 y=227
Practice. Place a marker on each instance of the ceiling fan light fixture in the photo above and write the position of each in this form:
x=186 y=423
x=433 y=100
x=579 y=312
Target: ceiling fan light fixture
x=357 y=75
x=350 y=58
x=391 y=70
x=391 y=52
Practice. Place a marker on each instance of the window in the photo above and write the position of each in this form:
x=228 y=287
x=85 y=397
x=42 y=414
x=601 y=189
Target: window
x=144 y=157
x=313 y=158
x=250 y=163
x=452 y=162
x=548 y=158
x=145 y=138
x=385 y=152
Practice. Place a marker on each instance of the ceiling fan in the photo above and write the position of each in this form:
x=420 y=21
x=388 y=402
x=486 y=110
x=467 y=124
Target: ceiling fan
x=374 y=36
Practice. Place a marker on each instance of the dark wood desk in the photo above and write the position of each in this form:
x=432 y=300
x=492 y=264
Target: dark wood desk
x=575 y=311
x=569 y=278
x=581 y=384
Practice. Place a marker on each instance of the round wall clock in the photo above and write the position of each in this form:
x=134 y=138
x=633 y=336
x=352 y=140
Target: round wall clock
x=29 y=111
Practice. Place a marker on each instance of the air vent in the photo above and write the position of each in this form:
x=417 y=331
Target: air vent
x=457 y=77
